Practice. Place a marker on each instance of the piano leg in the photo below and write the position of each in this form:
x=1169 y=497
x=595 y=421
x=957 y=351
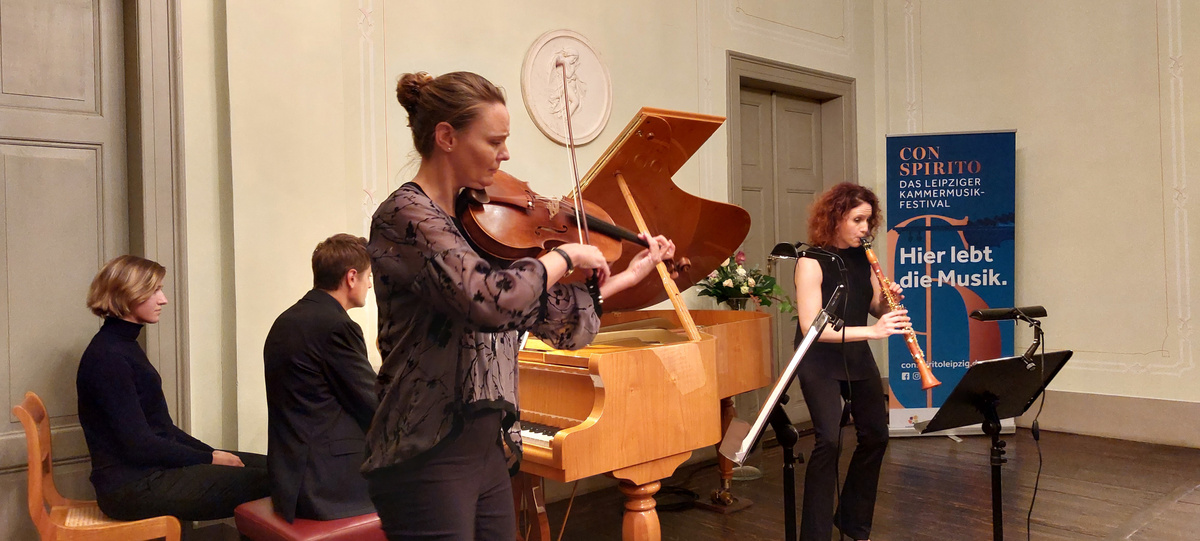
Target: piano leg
x=530 y=502
x=722 y=498
x=639 y=484
x=641 y=520
x=724 y=494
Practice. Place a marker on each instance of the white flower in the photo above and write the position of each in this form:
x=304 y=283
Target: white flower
x=727 y=283
x=750 y=282
x=745 y=289
x=741 y=270
x=712 y=275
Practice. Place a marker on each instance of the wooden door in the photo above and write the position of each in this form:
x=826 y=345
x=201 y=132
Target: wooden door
x=780 y=166
x=64 y=208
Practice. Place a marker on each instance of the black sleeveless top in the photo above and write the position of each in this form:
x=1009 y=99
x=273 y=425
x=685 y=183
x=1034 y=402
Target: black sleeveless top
x=824 y=359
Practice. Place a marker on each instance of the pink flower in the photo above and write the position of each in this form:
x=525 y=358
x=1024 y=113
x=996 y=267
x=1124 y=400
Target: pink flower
x=740 y=257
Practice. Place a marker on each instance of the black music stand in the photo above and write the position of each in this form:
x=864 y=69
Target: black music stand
x=742 y=437
x=991 y=391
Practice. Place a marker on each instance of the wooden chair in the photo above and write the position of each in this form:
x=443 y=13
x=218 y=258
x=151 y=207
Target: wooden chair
x=59 y=518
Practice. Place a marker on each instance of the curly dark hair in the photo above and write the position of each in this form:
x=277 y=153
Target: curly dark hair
x=829 y=210
x=455 y=98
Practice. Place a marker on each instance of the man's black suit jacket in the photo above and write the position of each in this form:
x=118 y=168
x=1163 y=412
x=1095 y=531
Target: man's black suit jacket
x=320 y=400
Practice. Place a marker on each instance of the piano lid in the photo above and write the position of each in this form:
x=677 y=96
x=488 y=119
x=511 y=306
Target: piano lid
x=651 y=149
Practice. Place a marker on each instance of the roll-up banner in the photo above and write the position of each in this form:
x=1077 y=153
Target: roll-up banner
x=950 y=226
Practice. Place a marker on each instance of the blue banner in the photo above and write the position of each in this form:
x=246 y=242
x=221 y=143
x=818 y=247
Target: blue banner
x=950 y=219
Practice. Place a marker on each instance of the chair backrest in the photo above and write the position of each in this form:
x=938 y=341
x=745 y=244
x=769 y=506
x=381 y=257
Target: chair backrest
x=32 y=413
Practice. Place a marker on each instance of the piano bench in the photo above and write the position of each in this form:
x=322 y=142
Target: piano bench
x=257 y=521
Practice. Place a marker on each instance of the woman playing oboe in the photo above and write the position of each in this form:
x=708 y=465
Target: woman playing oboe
x=839 y=366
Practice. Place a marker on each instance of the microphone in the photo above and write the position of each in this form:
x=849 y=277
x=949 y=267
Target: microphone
x=1003 y=314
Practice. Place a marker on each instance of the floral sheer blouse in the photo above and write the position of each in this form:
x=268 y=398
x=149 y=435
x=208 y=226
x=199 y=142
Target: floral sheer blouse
x=450 y=324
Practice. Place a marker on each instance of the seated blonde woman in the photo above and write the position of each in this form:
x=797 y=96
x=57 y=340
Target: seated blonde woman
x=142 y=464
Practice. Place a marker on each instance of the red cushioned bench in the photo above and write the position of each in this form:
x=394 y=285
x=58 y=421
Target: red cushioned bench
x=257 y=521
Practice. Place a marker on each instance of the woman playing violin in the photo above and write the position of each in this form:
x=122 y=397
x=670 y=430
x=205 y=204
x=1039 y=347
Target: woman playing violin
x=451 y=319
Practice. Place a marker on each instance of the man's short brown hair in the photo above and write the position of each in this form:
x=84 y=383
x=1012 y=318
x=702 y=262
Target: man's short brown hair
x=122 y=284
x=335 y=256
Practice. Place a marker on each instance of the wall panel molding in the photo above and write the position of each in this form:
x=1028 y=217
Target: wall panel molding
x=752 y=16
x=1177 y=202
x=370 y=113
x=35 y=34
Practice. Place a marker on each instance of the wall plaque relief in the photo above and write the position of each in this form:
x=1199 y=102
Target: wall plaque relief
x=588 y=86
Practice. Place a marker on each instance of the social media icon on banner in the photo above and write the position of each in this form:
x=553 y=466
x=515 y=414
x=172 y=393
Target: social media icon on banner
x=904 y=376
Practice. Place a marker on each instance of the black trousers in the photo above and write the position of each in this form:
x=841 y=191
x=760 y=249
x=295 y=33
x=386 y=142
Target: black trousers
x=856 y=506
x=460 y=491
x=200 y=492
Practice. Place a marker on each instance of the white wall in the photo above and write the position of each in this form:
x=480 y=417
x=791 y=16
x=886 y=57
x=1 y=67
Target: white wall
x=211 y=319
x=301 y=96
x=650 y=48
x=1102 y=117
x=273 y=160
x=297 y=135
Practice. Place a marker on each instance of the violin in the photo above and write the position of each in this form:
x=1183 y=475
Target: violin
x=508 y=220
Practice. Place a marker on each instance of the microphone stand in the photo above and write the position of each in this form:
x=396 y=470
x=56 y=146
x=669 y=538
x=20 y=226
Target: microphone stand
x=1037 y=341
x=992 y=396
x=991 y=426
x=741 y=437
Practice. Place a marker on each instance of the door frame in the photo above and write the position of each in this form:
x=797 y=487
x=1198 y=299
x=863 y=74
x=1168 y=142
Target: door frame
x=154 y=121
x=835 y=94
x=150 y=43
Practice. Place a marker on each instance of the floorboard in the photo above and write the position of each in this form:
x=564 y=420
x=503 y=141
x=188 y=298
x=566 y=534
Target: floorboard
x=933 y=488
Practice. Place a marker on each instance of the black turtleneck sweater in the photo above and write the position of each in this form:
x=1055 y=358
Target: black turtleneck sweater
x=124 y=413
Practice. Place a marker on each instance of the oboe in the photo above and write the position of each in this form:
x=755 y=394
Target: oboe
x=910 y=336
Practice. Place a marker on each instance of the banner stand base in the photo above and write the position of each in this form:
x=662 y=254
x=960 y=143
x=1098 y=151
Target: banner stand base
x=1007 y=426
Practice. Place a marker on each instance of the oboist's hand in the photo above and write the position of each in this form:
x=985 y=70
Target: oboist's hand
x=222 y=458
x=897 y=293
x=894 y=322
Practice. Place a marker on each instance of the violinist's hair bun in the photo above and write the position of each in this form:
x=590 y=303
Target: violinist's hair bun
x=455 y=98
x=408 y=89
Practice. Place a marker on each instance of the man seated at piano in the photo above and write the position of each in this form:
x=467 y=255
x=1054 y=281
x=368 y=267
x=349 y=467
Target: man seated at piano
x=320 y=390
x=451 y=320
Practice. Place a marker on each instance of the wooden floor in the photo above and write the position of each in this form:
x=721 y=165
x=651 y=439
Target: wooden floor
x=939 y=489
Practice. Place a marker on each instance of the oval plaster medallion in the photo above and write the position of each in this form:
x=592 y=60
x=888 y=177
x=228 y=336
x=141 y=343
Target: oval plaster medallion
x=588 y=86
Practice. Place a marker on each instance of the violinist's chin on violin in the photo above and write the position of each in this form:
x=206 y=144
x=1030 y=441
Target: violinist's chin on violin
x=508 y=220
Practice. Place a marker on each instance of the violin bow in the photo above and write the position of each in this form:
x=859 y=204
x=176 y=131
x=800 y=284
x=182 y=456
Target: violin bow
x=580 y=212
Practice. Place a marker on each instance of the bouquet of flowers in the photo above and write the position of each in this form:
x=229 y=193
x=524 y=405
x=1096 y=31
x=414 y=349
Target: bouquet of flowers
x=732 y=280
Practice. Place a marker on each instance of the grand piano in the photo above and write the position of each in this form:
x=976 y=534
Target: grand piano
x=654 y=385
